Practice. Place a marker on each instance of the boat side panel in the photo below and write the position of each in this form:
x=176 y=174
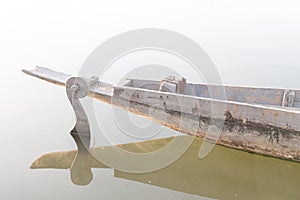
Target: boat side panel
x=259 y=129
x=197 y=105
x=240 y=94
x=264 y=96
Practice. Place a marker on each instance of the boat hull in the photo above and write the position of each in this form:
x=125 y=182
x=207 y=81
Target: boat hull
x=262 y=129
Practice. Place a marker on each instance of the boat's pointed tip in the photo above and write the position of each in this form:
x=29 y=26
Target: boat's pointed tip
x=30 y=71
x=27 y=71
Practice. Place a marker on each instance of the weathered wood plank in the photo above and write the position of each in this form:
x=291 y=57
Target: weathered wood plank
x=101 y=91
x=198 y=105
x=237 y=133
x=49 y=75
x=251 y=95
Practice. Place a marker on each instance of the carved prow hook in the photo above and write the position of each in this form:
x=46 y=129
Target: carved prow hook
x=78 y=87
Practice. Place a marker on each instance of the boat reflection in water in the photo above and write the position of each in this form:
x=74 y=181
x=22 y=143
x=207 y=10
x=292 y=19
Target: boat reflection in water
x=224 y=174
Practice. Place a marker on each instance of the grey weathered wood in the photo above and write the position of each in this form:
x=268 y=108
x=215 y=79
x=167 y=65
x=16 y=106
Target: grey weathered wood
x=254 y=119
x=100 y=90
x=251 y=95
x=256 y=128
x=49 y=75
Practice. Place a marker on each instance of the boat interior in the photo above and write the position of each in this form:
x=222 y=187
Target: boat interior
x=274 y=97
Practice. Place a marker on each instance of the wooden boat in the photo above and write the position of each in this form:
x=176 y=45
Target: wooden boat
x=260 y=120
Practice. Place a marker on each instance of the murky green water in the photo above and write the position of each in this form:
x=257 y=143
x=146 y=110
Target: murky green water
x=224 y=174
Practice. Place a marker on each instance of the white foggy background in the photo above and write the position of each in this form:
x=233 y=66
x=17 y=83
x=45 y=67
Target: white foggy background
x=252 y=43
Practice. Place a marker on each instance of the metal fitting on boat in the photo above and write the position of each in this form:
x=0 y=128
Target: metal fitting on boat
x=80 y=86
